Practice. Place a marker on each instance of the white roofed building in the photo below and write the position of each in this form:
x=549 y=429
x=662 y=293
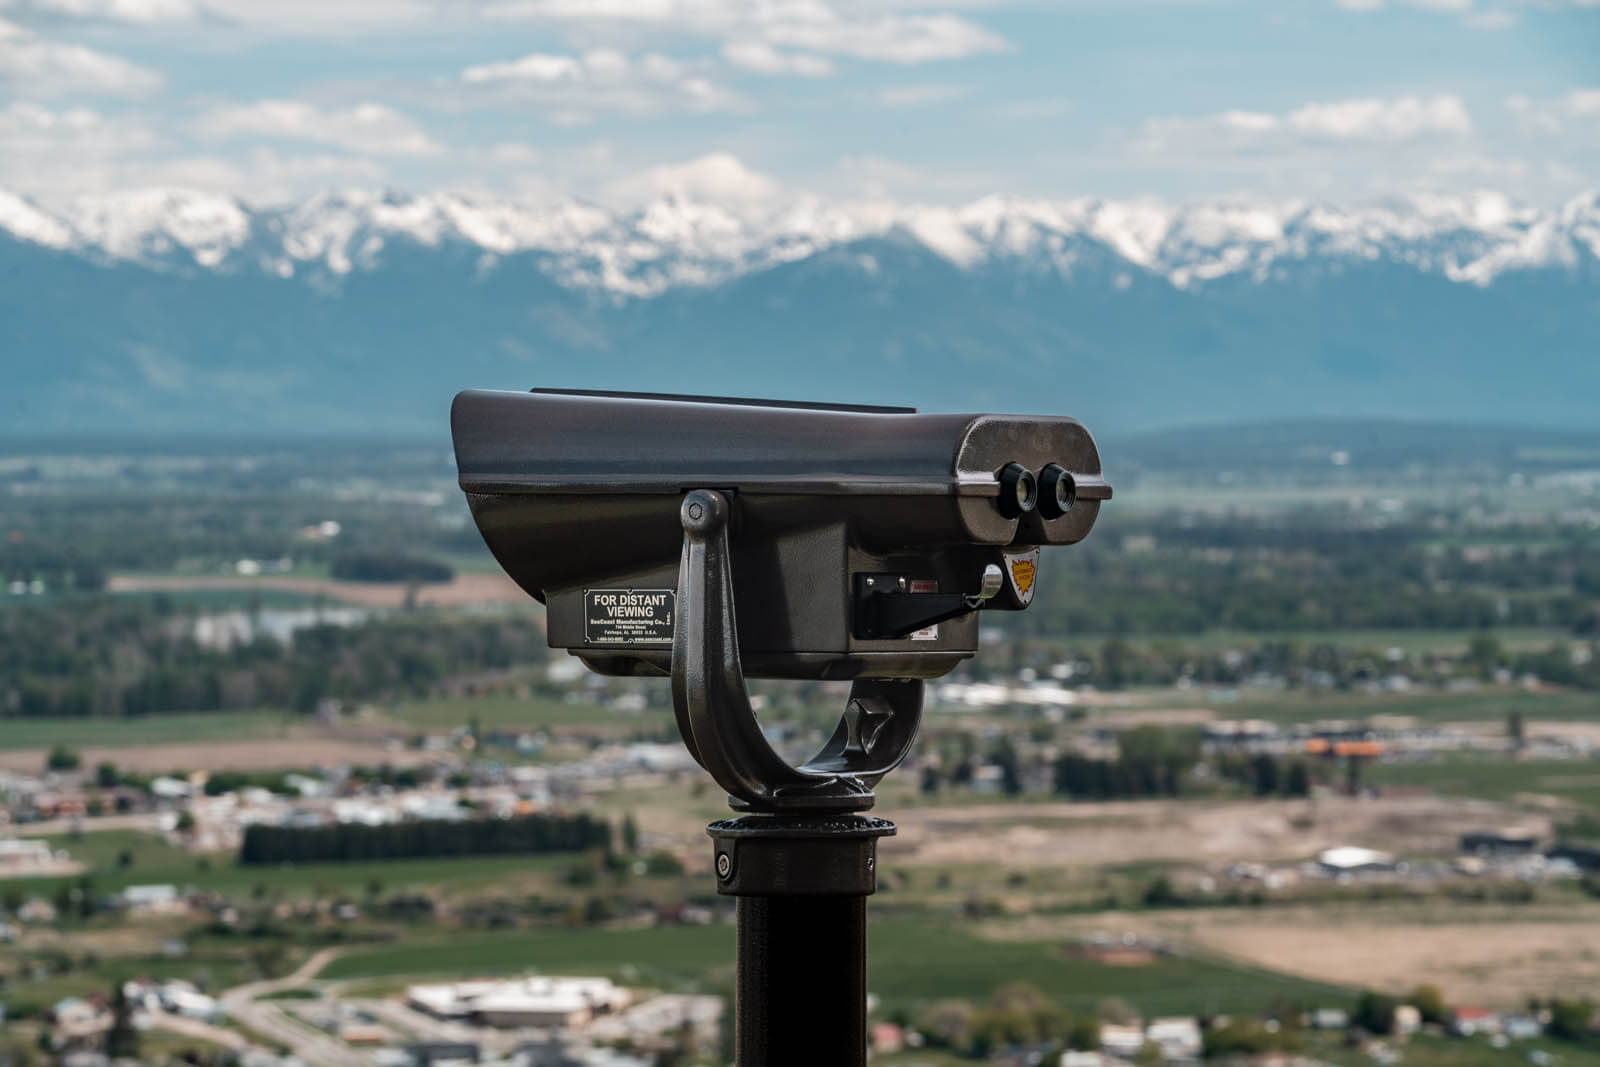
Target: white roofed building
x=560 y=1003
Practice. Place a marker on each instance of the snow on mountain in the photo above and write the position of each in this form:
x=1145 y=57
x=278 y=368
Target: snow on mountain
x=677 y=241
x=27 y=223
x=155 y=222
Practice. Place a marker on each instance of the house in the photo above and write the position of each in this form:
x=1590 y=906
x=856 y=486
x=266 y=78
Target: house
x=886 y=1038
x=1522 y=1027
x=1472 y=1020
x=1407 y=1020
x=167 y=788
x=1330 y=1019
x=151 y=899
x=20 y=855
x=79 y=1022
x=1177 y=1036
x=1513 y=841
x=36 y=910
x=1123 y=1041
x=1352 y=859
x=180 y=998
x=1074 y=1058
x=368 y=1035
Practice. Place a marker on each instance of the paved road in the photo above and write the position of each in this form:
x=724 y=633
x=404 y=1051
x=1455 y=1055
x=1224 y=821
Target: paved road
x=217 y=1035
x=146 y=821
x=270 y=1020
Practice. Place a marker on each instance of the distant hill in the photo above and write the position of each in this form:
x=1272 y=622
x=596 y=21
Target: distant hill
x=172 y=312
x=1380 y=445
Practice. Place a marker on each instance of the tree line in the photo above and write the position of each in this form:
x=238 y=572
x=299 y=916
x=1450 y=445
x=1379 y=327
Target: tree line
x=342 y=842
x=388 y=567
x=123 y=657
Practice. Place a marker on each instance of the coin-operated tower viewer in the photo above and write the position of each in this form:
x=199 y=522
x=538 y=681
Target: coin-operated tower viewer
x=709 y=540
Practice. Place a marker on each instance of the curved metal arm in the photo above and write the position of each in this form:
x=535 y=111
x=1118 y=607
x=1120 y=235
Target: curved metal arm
x=713 y=706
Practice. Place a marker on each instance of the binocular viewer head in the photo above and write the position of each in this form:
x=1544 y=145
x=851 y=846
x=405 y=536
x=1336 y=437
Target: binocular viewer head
x=860 y=541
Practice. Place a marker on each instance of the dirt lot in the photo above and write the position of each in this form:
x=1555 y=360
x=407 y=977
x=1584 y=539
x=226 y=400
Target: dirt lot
x=1490 y=955
x=463 y=589
x=1065 y=834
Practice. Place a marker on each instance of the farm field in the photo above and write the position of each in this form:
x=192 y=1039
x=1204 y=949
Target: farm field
x=911 y=962
x=1451 y=642
x=1476 y=953
x=189 y=728
x=1489 y=704
x=153 y=861
x=1575 y=782
x=479 y=588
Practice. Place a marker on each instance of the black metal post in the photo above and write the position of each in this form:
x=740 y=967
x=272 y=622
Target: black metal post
x=802 y=883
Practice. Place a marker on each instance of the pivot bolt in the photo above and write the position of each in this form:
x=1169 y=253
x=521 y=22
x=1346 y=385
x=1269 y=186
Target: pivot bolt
x=724 y=865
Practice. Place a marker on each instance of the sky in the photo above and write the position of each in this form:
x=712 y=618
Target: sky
x=622 y=101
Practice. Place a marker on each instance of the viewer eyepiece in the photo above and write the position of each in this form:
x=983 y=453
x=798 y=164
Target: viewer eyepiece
x=1019 y=491
x=1058 y=491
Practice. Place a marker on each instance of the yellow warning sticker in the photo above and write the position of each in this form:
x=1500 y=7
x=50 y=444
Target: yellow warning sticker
x=1022 y=572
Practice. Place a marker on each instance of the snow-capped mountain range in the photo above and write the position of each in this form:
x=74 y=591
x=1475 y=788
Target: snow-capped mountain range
x=676 y=242
x=174 y=309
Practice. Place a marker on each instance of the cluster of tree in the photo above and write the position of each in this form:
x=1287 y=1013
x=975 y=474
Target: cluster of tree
x=57 y=570
x=220 y=782
x=1243 y=1036
x=224 y=515
x=1266 y=775
x=388 y=567
x=526 y=834
x=1571 y=1018
x=1311 y=570
x=1118 y=662
x=1151 y=761
x=1087 y=778
x=122 y=657
x=1016 y=1014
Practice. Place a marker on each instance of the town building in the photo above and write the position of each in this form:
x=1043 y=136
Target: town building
x=560 y=1003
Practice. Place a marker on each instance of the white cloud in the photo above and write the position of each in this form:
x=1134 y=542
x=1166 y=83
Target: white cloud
x=367 y=128
x=719 y=178
x=1401 y=119
x=761 y=57
x=602 y=79
x=311 y=17
x=264 y=176
x=30 y=64
x=1552 y=116
x=1498 y=18
x=818 y=26
x=120 y=10
x=879 y=180
x=32 y=130
x=1583 y=102
x=1406 y=118
x=55 y=155
x=891 y=38
x=536 y=67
